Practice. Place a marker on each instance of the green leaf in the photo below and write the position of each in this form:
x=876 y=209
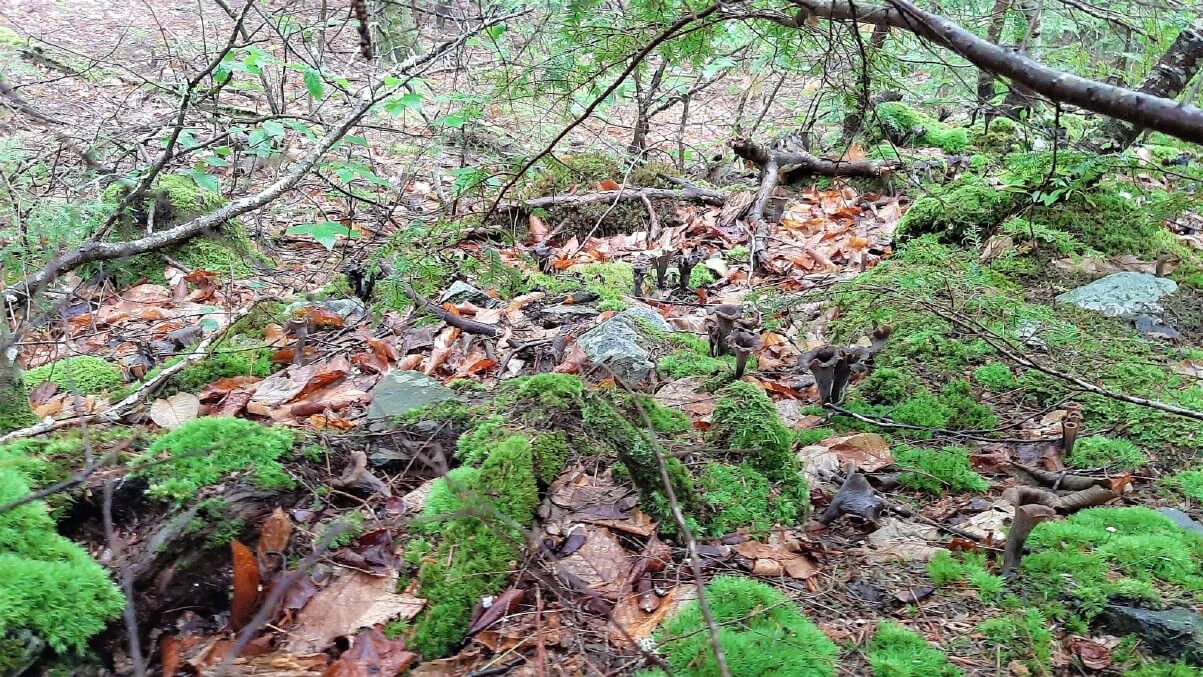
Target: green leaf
x=274 y=128
x=325 y=232
x=313 y=83
x=206 y=181
x=356 y=140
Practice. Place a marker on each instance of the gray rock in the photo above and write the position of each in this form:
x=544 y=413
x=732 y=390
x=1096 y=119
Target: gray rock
x=1155 y=327
x=574 y=310
x=461 y=291
x=1177 y=633
x=401 y=392
x=1182 y=519
x=620 y=342
x=1124 y=294
x=351 y=310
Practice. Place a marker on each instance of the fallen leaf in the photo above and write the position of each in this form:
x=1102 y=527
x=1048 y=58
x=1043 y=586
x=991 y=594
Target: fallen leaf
x=274 y=534
x=609 y=184
x=1094 y=655
x=352 y=601
x=372 y=655
x=246 y=586
x=173 y=412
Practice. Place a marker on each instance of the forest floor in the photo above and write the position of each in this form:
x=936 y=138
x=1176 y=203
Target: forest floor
x=466 y=481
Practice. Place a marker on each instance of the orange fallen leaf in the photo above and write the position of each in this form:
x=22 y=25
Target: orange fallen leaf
x=246 y=586
x=609 y=184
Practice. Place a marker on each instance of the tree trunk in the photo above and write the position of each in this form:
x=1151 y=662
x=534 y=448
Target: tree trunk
x=854 y=121
x=1177 y=67
x=985 y=79
x=1019 y=98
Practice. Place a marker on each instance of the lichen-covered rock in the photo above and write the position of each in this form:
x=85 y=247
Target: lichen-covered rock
x=404 y=391
x=1123 y=294
x=621 y=343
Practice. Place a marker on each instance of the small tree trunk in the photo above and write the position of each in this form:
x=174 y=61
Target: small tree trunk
x=985 y=79
x=1177 y=67
x=855 y=120
x=1019 y=99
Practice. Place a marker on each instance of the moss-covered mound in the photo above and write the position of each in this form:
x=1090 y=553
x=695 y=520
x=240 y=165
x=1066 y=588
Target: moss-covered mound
x=906 y=126
x=49 y=586
x=897 y=652
x=481 y=516
x=761 y=632
x=205 y=451
x=1103 y=553
x=174 y=199
x=82 y=373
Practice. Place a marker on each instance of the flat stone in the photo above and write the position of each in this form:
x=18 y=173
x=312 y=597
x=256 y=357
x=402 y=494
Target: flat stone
x=401 y=392
x=620 y=342
x=1176 y=633
x=1182 y=519
x=461 y=291
x=1124 y=294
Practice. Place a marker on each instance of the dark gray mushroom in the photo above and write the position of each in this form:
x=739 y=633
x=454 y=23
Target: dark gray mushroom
x=744 y=343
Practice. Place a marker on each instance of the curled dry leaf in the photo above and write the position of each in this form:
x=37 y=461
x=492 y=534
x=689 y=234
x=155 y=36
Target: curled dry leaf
x=274 y=534
x=372 y=655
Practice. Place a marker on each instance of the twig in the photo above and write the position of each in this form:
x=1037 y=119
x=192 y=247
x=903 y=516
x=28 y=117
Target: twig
x=463 y=323
x=702 y=195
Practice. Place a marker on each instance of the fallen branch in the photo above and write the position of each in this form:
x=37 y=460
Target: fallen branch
x=1144 y=110
x=1002 y=346
x=793 y=164
x=702 y=195
x=462 y=323
x=93 y=251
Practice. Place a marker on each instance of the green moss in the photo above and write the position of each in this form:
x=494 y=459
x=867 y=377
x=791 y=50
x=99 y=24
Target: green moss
x=474 y=445
x=887 y=385
x=1188 y=483
x=937 y=470
x=1021 y=636
x=1163 y=669
x=904 y=125
x=741 y=497
x=943 y=568
x=550 y=393
x=746 y=419
x=466 y=385
x=10 y=38
x=15 y=412
x=1001 y=136
x=43 y=461
x=610 y=281
x=995 y=376
x=448 y=496
x=176 y=199
x=761 y=633
x=1097 y=451
x=443 y=411
x=204 y=451
x=607 y=420
x=223 y=363
x=964 y=209
x=683 y=363
x=1098 y=553
x=50 y=586
x=897 y=652
x=83 y=373
x=476 y=551
x=808 y=436
x=559 y=175
x=551 y=452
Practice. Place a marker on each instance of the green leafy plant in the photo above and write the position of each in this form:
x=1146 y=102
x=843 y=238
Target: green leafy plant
x=325 y=232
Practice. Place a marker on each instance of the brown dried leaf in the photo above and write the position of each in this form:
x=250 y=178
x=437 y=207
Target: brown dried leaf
x=352 y=601
x=246 y=586
x=1094 y=655
x=372 y=655
x=173 y=412
x=273 y=537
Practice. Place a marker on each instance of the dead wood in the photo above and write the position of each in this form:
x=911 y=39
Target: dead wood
x=795 y=163
x=462 y=323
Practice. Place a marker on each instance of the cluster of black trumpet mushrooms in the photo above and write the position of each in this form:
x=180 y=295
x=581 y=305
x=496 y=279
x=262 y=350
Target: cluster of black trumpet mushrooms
x=834 y=366
x=733 y=328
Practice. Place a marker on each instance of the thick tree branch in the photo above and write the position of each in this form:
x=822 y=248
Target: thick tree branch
x=1146 y=110
x=794 y=163
x=710 y=197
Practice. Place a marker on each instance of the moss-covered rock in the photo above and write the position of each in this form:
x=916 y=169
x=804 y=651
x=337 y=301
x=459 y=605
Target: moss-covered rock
x=50 y=586
x=15 y=412
x=963 y=209
x=1100 y=553
x=205 y=451
x=761 y=632
x=746 y=419
x=83 y=373
x=741 y=497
